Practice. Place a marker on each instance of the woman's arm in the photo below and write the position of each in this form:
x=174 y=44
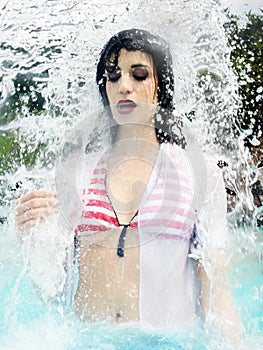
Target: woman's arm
x=43 y=241
x=217 y=300
x=214 y=268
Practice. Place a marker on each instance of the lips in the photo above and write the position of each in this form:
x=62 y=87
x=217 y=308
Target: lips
x=126 y=106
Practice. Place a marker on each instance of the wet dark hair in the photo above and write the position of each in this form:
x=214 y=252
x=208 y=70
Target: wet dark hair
x=159 y=51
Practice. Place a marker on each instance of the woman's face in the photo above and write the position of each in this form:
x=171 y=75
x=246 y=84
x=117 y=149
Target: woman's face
x=132 y=87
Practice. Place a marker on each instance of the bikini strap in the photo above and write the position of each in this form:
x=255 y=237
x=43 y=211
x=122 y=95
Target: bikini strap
x=120 y=250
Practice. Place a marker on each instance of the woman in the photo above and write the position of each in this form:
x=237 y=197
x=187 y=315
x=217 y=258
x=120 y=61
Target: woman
x=138 y=232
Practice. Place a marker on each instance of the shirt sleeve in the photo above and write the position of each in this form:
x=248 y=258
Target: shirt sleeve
x=210 y=230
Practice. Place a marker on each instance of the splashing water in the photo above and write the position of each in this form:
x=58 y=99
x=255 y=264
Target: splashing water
x=48 y=57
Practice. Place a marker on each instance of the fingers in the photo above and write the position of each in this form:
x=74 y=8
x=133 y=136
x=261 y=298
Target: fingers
x=27 y=225
x=35 y=203
x=33 y=208
x=34 y=213
x=36 y=194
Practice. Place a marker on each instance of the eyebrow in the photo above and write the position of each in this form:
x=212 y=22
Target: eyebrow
x=139 y=66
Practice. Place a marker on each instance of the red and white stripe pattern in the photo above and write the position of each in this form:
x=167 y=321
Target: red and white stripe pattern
x=166 y=208
x=99 y=214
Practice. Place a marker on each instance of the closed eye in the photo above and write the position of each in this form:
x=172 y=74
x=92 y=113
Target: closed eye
x=140 y=73
x=114 y=76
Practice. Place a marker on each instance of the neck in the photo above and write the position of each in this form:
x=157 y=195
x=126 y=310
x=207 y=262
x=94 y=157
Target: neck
x=135 y=140
x=137 y=131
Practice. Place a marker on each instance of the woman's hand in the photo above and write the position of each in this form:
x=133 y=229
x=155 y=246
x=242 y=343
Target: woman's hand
x=33 y=208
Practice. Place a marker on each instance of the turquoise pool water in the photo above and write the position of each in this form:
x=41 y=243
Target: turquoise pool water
x=27 y=322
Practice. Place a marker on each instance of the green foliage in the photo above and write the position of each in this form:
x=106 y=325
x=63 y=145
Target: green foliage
x=14 y=152
x=14 y=149
x=26 y=96
x=246 y=42
x=9 y=155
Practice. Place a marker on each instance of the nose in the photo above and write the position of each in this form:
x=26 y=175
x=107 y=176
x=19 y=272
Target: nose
x=125 y=84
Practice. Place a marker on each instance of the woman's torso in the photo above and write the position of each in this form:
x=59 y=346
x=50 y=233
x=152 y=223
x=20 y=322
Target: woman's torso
x=109 y=287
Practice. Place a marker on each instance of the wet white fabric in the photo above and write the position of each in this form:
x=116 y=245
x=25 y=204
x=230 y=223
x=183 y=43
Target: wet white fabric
x=168 y=282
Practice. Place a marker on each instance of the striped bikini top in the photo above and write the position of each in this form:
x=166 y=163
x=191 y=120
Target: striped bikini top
x=99 y=214
x=167 y=205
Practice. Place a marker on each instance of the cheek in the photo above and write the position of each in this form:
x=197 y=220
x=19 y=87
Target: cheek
x=155 y=92
x=110 y=91
x=151 y=90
